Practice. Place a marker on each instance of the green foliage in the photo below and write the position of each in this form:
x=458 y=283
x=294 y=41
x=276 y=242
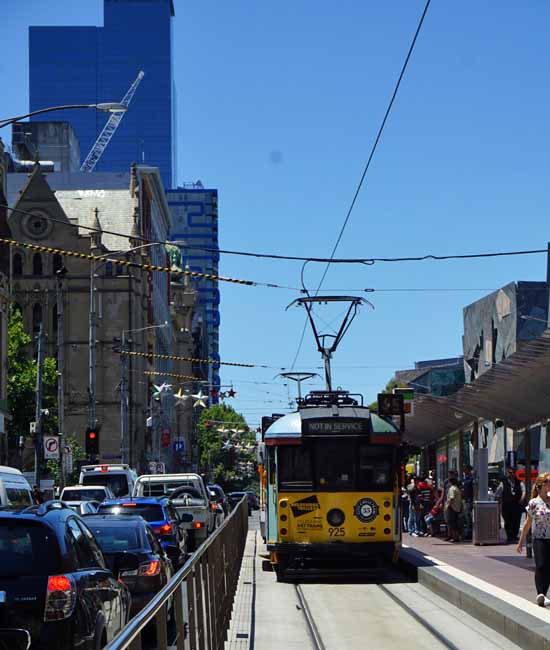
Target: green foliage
x=54 y=465
x=226 y=465
x=22 y=382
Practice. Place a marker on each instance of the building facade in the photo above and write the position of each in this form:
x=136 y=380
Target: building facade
x=4 y=309
x=88 y=65
x=55 y=142
x=194 y=212
x=99 y=303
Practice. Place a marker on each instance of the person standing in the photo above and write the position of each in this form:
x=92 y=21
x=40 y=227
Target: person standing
x=425 y=502
x=468 y=499
x=538 y=519
x=511 y=494
x=453 y=508
x=37 y=495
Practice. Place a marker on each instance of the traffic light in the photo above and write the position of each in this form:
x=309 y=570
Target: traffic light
x=92 y=440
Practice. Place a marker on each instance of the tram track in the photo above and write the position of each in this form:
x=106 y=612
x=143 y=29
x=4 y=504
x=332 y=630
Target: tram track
x=318 y=642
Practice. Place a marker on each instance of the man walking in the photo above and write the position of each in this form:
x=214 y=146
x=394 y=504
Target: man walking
x=511 y=494
x=468 y=499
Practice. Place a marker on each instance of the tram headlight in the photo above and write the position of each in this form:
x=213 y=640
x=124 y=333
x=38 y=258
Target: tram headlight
x=336 y=517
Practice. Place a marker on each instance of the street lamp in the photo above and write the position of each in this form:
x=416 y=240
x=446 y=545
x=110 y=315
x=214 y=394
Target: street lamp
x=124 y=404
x=109 y=107
x=540 y=320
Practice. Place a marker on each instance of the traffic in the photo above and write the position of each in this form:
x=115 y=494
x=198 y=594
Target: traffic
x=75 y=570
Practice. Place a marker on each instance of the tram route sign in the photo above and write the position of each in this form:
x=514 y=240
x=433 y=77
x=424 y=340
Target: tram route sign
x=390 y=404
x=336 y=426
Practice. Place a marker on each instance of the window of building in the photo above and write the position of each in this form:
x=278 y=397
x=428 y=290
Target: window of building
x=17 y=264
x=37 y=264
x=57 y=262
x=109 y=269
x=36 y=318
x=54 y=319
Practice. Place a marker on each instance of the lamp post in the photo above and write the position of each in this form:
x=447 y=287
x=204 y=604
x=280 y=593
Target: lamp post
x=109 y=107
x=124 y=402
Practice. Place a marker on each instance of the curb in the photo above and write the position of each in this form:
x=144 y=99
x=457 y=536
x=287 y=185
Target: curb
x=518 y=626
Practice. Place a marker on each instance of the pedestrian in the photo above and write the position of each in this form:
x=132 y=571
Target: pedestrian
x=453 y=508
x=412 y=493
x=511 y=494
x=37 y=495
x=405 y=509
x=538 y=520
x=425 y=502
x=468 y=499
x=434 y=516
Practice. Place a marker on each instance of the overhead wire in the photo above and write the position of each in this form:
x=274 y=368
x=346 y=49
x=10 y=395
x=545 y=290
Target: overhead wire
x=366 y=167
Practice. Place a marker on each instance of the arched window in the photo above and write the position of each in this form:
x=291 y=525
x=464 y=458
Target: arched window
x=37 y=264
x=17 y=264
x=36 y=318
x=57 y=262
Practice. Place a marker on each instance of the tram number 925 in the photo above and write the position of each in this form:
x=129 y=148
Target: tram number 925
x=337 y=532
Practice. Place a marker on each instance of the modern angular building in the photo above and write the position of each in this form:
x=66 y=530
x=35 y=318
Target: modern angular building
x=88 y=65
x=194 y=212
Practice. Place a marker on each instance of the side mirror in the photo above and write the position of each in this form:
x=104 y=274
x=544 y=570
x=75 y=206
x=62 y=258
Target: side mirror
x=125 y=562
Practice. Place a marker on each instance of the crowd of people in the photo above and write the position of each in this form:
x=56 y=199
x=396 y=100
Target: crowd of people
x=429 y=510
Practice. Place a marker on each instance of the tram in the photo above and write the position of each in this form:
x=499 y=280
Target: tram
x=332 y=487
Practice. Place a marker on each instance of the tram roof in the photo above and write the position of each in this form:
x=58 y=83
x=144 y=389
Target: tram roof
x=290 y=426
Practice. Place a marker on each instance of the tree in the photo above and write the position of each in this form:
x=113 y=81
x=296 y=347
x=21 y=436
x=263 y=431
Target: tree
x=227 y=447
x=21 y=387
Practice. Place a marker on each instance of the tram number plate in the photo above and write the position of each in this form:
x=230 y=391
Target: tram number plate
x=337 y=532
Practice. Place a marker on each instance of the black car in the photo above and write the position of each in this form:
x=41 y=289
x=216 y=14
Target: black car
x=161 y=515
x=132 y=535
x=55 y=588
x=235 y=497
x=221 y=497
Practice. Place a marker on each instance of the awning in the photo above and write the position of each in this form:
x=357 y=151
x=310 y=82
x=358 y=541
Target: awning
x=516 y=390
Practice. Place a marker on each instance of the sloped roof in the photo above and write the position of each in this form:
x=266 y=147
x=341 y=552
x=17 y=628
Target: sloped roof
x=115 y=212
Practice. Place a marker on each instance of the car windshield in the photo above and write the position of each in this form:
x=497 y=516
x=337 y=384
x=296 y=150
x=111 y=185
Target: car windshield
x=27 y=549
x=18 y=497
x=159 y=488
x=83 y=495
x=116 y=539
x=149 y=512
x=117 y=482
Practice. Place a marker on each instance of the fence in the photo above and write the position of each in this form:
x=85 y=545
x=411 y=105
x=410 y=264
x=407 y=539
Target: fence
x=201 y=593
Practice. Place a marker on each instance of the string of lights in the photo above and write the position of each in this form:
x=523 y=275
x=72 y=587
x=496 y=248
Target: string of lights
x=172 y=357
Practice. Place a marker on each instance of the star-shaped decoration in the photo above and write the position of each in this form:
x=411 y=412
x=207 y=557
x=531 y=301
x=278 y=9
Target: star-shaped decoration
x=231 y=393
x=227 y=445
x=214 y=392
x=200 y=399
x=222 y=429
x=180 y=397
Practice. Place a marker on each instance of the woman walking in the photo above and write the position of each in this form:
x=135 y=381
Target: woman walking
x=538 y=518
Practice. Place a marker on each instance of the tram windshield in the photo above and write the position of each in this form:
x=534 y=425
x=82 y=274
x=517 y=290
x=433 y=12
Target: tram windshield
x=334 y=466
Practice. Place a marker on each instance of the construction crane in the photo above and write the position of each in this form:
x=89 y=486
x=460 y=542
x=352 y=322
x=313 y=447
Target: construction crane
x=109 y=129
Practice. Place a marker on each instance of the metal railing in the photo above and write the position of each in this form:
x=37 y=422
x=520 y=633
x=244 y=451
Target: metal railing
x=201 y=594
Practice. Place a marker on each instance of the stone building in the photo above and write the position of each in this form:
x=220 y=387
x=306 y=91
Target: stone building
x=4 y=304
x=124 y=297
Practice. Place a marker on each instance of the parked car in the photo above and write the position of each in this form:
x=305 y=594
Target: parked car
x=55 y=586
x=83 y=508
x=235 y=497
x=161 y=516
x=189 y=495
x=120 y=478
x=220 y=497
x=86 y=493
x=133 y=535
x=15 y=491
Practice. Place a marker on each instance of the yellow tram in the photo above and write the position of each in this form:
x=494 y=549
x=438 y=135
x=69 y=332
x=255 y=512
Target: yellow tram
x=332 y=487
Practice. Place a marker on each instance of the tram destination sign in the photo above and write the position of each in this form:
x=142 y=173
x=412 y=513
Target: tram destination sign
x=336 y=426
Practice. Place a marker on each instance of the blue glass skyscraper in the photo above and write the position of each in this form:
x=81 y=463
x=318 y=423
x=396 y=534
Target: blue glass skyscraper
x=73 y=65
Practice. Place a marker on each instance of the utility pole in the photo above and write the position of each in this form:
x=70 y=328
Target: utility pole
x=61 y=372
x=124 y=400
x=298 y=377
x=92 y=354
x=38 y=409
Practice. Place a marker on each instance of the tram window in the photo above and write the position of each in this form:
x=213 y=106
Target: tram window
x=374 y=468
x=335 y=465
x=295 y=471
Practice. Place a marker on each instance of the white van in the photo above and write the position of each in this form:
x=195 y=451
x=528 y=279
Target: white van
x=15 y=491
x=120 y=478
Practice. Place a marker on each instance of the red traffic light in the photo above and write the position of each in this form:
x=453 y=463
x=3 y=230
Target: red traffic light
x=92 y=435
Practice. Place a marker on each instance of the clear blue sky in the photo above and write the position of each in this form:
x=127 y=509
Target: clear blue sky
x=279 y=103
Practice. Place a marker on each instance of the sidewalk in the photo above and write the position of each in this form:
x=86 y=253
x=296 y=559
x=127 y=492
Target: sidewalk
x=498 y=565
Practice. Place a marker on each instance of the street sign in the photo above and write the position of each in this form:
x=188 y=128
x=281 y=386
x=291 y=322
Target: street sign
x=51 y=447
x=68 y=459
x=32 y=427
x=179 y=446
